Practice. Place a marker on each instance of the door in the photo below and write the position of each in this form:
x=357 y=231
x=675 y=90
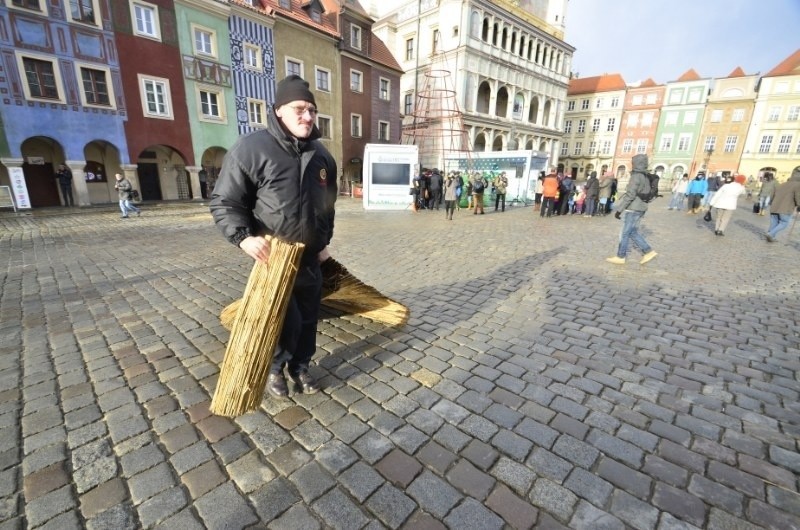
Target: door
x=149 y=181
x=42 y=185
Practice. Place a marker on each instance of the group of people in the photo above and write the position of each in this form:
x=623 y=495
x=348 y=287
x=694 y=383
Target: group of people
x=558 y=194
x=431 y=188
x=122 y=185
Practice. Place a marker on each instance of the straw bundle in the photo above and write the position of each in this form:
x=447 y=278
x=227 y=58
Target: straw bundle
x=256 y=328
x=344 y=292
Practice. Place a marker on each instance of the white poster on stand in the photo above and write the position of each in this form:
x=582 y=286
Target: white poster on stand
x=388 y=176
x=19 y=188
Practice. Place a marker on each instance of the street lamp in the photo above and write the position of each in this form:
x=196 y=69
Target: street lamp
x=709 y=152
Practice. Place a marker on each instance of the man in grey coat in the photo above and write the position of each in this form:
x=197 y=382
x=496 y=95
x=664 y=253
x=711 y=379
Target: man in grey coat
x=785 y=202
x=634 y=209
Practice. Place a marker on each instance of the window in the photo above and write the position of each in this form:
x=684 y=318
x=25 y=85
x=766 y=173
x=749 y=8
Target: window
x=710 y=143
x=684 y=140
x=408 y=104
x=95 y=87
x=666 y=143
x=581 y=126
x=606 y=147
x=294 y=67
x=647 y=119
x=82 y=11
x=356 y=80
x=596 y=125
x=615 y=102
x=204 y=42
x=783 y=145
x=286 y=4
x=716 y=116
x=675 y=96
x=155 y=97
x=211 y=103
x=774 y=113
x=672 y=118
x=355 y=125
x=611 y=125
x=641 y=146
x=585 y=104
x=145 y=17
x=651 y=99
x=627 y=145
x=766 y=143
x=633 y=119
x=794 y=113
x=636 y=100
x=409 y=49
x=564 y=148
x=598 y=103
x=323 y=80
x=34 y=5
x=571 y=105
x=252 y=57
x=384 y=89
x=568 y=126
x=436 y=41
x=690 y=118
x=324 y=126
x=695 y=95
x=383 y=131
x=41 y=79
x=578 y=148
x=592 y=148
x=738 y=115
x=256 y=112
x=316 y=16
x=730 y=144
x=355 y=37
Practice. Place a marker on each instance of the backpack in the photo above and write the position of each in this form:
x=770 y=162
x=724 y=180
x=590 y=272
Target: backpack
x=477 y=186
x=652 y=193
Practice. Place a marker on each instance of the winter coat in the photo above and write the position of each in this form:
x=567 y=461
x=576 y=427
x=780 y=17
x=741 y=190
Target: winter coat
x=272 y=183
x=592 y=188
x=638 y=183
x=697 y=187
x=500 y=184
x=550 y=186
x=450 y=186
x=124 y=188
x=605 y=187
x=680 y=186
x=436 y=181
x=787 y=195
x=727 y=196
x=714 y=183
x=768 y=189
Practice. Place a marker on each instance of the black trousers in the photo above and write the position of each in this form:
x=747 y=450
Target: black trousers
x=547 y=206
x=298 y=340
x=500 y=198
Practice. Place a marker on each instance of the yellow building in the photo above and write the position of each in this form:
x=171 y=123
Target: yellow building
x=725 y=123
x=773 y=142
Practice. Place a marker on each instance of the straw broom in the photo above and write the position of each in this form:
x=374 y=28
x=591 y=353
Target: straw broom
x=344 y=292
x=256 y=328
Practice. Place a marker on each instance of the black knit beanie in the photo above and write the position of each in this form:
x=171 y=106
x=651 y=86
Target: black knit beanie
x=293 y=88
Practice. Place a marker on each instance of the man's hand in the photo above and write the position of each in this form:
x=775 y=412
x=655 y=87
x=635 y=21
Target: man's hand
x=257 y=248
x=618 y=214
x=323 y=254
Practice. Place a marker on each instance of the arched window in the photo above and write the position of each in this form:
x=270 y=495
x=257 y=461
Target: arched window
x=501 y=107
x=546 y=117
x=519 y=104
x=505 y=38
x=494 y=33
x=485 y=32
x=480 y=143
x=497 y=145
x=513 y=42
x=522 y=46
x=533 y=113
x=475 y=25
x=484 y=95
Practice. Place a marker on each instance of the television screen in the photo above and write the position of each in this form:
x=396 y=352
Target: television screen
x=391 y=174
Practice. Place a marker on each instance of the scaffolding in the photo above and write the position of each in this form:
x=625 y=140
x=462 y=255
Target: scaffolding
x=436 y=126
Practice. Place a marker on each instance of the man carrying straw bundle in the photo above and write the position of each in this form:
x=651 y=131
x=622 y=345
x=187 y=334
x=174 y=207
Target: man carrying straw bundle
x=281 y=182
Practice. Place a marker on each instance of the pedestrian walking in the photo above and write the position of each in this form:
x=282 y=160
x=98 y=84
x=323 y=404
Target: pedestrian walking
x=281 y=182
x=766 y=193
x=125 y=193
x=549 y=193
x=725 y=202
x=679 y=188
x=633 y=208
x=784 y=205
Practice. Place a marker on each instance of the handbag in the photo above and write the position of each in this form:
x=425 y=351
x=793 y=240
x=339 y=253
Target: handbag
x=756 y=207
x=707 y=216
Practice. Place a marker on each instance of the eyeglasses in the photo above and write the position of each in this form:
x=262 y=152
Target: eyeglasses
x=302 y=110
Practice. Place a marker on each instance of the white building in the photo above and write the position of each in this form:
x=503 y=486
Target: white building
x=508 y=65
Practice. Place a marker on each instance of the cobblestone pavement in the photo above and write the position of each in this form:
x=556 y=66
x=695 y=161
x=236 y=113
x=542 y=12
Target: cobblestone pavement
x=534 y=386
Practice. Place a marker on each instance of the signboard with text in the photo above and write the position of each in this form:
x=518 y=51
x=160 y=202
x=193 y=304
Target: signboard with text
x=19 y=188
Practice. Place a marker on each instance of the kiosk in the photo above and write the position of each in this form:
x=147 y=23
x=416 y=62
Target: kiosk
x=388 y=176
x=521 y=168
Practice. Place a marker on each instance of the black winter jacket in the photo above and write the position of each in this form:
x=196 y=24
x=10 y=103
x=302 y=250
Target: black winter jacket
x=271 y=183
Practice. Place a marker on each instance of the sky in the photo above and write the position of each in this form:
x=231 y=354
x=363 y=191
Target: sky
x=644 y=38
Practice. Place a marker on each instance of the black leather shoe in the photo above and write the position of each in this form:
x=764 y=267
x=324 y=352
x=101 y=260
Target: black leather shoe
x=276 y=385
x=306 y=383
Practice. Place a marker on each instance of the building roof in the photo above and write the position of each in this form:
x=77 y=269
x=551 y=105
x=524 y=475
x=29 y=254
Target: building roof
x=259 y=6
x=382 y=55
x=789 y=66
x=600 y=83
x=689 y=75
x=648 y=83
x=298 y=13
x=737 y=72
